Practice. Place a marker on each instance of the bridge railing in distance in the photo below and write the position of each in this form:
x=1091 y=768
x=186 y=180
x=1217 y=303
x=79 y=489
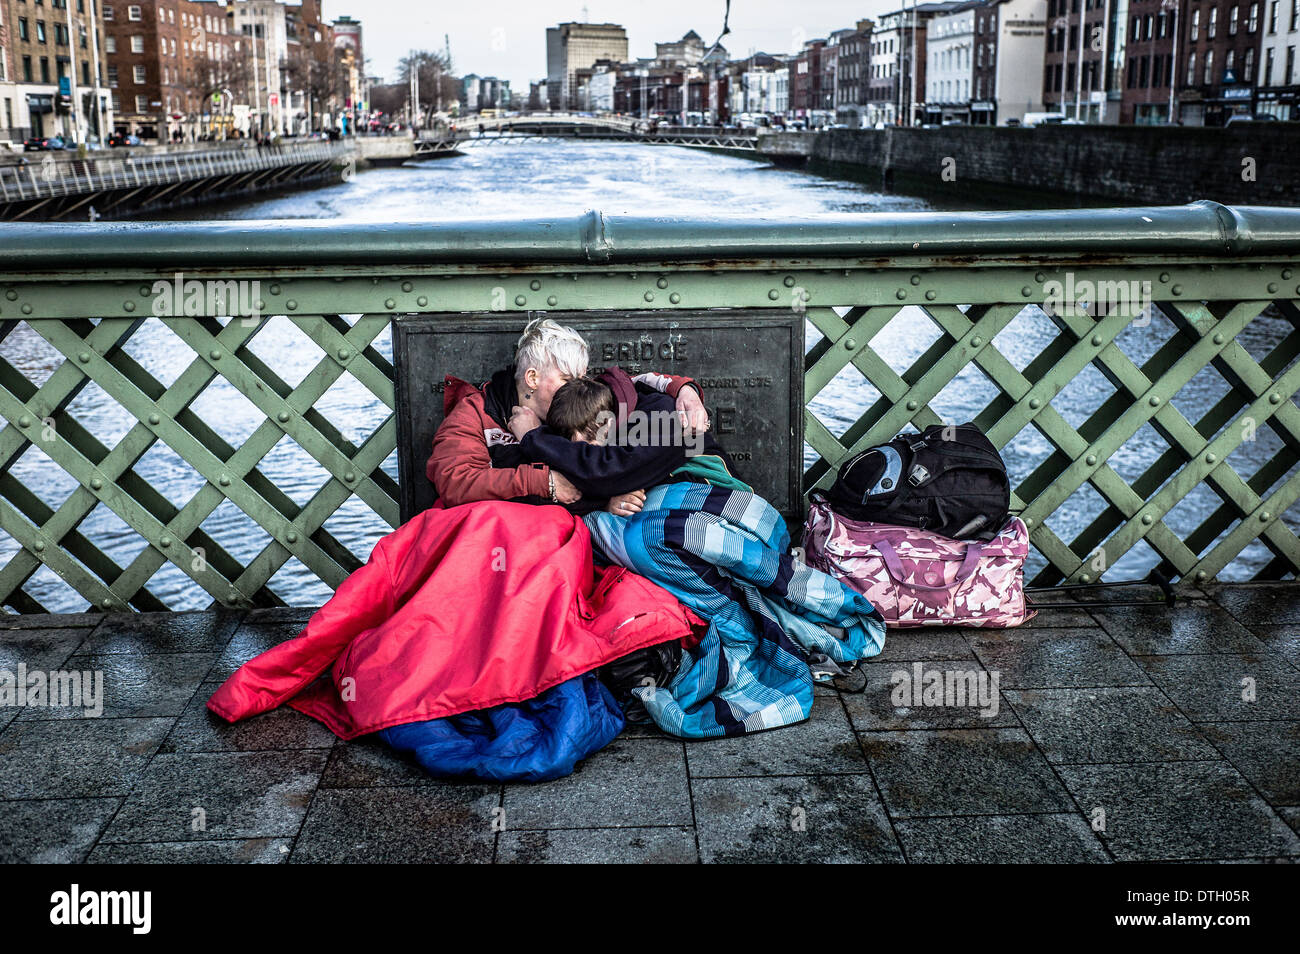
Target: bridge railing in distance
x=1174 y=329
x=47 y=179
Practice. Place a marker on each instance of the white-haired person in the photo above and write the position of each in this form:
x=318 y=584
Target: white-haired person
x=475 y=455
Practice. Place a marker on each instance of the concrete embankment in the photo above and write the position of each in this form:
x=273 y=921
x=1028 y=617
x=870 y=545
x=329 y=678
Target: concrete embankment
x=1250 y=164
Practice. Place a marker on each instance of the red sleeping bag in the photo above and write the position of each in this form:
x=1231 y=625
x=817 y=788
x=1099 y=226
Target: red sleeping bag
x=458 y=609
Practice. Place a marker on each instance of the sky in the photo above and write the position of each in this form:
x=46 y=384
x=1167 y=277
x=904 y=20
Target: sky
x=507 y=38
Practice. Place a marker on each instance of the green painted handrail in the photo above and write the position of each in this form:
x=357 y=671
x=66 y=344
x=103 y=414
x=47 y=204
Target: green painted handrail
x=1201 y=228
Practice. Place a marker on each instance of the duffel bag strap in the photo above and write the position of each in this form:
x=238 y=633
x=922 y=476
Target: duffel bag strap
x=895 y=566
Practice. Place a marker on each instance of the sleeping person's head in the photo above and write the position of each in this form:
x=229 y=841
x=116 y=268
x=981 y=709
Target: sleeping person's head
x=583 y=410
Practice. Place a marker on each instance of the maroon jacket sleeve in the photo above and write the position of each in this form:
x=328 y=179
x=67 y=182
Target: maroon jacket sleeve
x=461 y=468
x=669 y=384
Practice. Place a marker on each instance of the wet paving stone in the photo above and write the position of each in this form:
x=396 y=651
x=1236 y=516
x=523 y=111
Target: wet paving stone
x=240 y=851
x=368 y=763
x=1179 y=810
x=876 y=709
x=1258 y=604
x=1291 y=816
x=963 y=772
x=43 y=650
x=1001 y=839
x=1211 y=688
x=242 y=795
x=197 y=632
x=72 y=758
x=1135 y=724
x=1157 y=630
x=630 y=783
x=1266 y=753
x=821 y=819
x=907 y=645
x=248 y=641
x=824 y=744
x=654 y=846
x=52 y=830
x=280 y=615
x=199 y=730
x=1056 y=658
x=1283 y=640
x=48 y=620
x=433 y=824
x=134 y=686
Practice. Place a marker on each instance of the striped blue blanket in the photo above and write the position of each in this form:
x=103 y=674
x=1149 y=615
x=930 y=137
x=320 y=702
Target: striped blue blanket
x=725 y=554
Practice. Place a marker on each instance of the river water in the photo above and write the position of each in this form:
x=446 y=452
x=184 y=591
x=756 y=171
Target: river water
x=531 y=179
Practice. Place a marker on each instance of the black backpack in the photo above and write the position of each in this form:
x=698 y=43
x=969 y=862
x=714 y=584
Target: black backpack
x=949 y=479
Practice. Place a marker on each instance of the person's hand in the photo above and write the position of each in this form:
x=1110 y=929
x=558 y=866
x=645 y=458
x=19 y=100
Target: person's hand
x=625 y=505
x=523 y=420
x=690 y=410
x=565 y=492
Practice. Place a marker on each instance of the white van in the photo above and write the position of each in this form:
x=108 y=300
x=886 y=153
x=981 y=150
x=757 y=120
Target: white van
x=1042 y=119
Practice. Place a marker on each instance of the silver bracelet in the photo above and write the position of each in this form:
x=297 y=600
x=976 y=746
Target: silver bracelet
x=550 y=480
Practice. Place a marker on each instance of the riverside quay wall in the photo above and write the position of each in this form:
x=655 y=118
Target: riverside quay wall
x=1247 y=164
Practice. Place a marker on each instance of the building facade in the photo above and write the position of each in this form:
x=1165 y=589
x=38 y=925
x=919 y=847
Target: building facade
x=52 y=71
x=1279 y=76
x=571 y=47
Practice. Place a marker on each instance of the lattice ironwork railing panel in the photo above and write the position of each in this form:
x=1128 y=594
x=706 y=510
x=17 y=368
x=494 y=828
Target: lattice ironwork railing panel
x=95 y=352
x=1158 y=429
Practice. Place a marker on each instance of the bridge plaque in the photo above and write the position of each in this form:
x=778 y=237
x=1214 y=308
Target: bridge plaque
x=749 y=364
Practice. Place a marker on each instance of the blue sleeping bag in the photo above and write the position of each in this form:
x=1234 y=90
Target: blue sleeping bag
x=533 y=741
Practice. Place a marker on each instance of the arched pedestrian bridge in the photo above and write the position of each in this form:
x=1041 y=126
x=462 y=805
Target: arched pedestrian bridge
x=505 y=130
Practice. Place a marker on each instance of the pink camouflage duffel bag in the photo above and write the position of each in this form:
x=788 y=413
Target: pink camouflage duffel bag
x=918 y=578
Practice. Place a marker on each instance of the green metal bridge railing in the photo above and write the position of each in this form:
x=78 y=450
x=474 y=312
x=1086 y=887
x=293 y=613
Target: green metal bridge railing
x=1210 y=270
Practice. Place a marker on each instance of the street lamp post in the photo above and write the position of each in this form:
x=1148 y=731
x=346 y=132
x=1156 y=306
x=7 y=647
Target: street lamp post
x=1062 y=25
x=1173 y=61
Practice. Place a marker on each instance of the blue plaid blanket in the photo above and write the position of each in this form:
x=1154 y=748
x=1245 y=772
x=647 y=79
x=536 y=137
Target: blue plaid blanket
x=725 y=554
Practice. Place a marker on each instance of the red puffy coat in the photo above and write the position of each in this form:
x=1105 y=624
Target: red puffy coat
x=458 y=609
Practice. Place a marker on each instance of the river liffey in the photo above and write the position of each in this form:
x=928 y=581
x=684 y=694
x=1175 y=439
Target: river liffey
x=536 y=179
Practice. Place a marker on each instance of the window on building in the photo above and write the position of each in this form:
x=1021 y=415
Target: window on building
x=40 y=31
x=133 y=13
x=1147 y=25
x=1195 y=33
x=138 y=75
x=85 y=73
x=1272 y=17
x=45 y=69
x=1132 y=73
x=110 y=44
x=1212 y=27
x=1191 y=68
x=23 y=32
x=27 y=69
x=1290 y=66
x=142 y=104
x=1232 y=22
x=1248 y=67
x=137 y=44
x=1268 y=67
x=107 y=13
x=1252 y=23
x=112 y=77
x=1208 y=74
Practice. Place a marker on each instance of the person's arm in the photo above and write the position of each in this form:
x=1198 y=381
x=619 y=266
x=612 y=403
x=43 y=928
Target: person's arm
x=461 y=468
x=604 y=471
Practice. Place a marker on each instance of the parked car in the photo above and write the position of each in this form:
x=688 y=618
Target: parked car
x=1043 y=119
x=1012 y=122
x=1244 y=118
x=123 y=139
x=44 y=144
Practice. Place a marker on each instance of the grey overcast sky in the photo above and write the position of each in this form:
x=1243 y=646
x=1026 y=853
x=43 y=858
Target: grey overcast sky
x=507 y=38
